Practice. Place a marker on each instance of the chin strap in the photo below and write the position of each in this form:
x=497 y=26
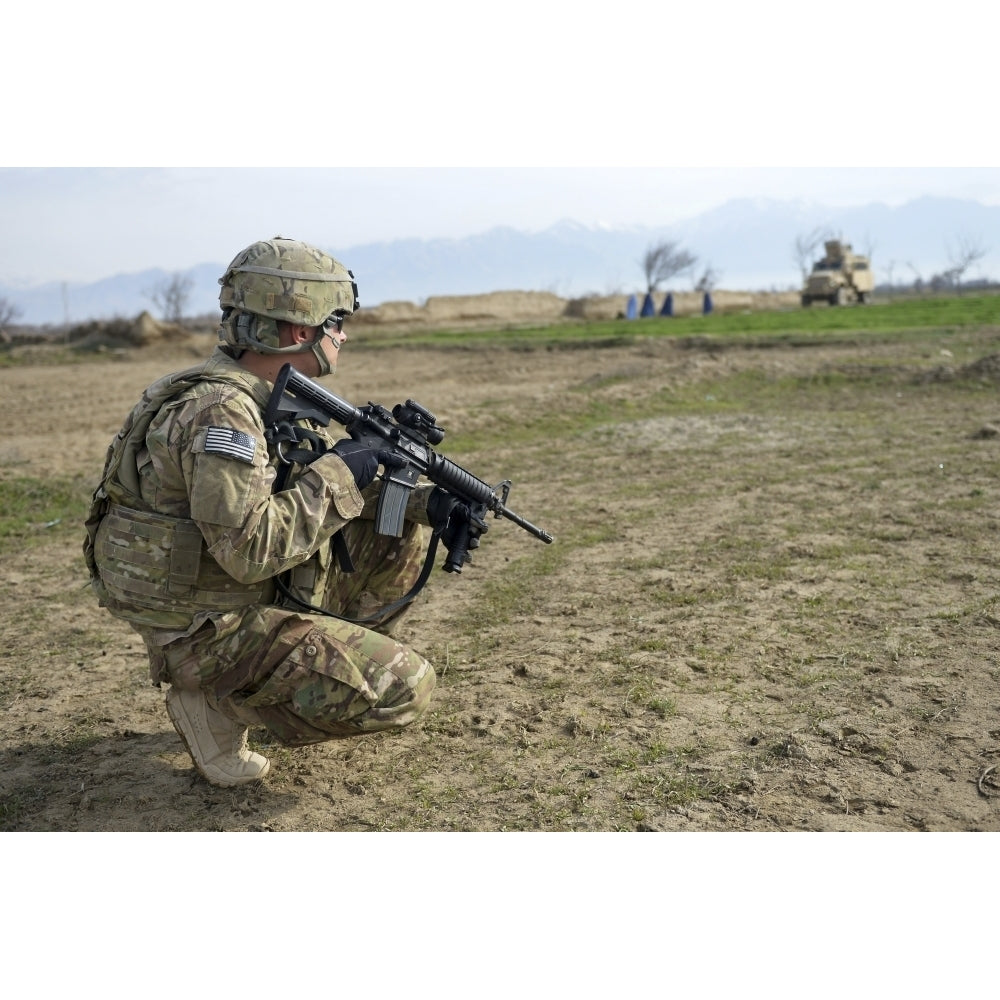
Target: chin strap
x=325 y=367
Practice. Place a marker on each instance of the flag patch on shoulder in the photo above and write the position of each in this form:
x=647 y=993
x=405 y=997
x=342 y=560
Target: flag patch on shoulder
x=231 y=442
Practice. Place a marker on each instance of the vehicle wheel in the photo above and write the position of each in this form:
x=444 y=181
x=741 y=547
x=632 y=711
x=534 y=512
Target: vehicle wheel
x=806 y=301
x=863 y=298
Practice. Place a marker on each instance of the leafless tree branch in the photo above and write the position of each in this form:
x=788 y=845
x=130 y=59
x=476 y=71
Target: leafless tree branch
x=663 y=260
x=8 y=313
x=968 y=251
x=171 y=296
x=806 y=246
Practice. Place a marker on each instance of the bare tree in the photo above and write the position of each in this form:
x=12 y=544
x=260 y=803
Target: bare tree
x=889 y=270
x=171 y=296
x=806 y=246
x=709 y=279
x=944 y=280
x=663 y=260
x=967 y=253
x=8 y=311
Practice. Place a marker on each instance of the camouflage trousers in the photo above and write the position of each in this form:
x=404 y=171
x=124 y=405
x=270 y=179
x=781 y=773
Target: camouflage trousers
x=308 y=678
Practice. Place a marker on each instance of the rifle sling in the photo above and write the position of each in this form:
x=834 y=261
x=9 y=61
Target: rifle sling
x=385 y=612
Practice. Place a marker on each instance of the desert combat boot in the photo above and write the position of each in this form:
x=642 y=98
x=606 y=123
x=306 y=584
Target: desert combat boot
x=218 y=746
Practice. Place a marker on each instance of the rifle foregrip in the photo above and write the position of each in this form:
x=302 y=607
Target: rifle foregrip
x=453 y=477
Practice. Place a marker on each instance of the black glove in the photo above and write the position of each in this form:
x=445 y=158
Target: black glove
x=446 y=514
x=439 y=507
x=452 y=519
x=359 y=458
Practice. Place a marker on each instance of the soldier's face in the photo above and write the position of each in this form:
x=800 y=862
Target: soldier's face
x=333 y=338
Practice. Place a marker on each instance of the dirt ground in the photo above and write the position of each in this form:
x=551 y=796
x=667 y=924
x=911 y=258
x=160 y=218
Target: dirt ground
x=752 y=618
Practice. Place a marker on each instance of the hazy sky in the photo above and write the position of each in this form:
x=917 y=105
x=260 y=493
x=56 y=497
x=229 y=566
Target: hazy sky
x=82 y=224
x=210 y=131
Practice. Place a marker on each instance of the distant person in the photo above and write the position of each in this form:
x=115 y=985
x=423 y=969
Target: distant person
x=214 y=543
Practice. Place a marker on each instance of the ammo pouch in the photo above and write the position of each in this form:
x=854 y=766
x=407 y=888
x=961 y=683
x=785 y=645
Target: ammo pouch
x=153 y=561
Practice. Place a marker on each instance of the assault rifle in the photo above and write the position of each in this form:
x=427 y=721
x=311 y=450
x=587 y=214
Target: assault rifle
x=403 y=440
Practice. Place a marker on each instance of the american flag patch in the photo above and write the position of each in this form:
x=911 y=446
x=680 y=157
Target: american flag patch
x=227 y=441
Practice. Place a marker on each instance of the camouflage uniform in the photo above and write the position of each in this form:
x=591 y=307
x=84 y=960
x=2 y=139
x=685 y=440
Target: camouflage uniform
x=185 y=541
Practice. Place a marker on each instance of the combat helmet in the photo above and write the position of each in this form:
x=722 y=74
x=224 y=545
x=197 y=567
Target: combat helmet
x=282 y=279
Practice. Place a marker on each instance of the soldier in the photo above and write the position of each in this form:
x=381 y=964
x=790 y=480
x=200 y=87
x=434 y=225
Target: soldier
x=210 y=540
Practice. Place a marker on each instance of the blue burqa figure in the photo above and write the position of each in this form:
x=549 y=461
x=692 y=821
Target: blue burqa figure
x=630 y=309
x=706 y=305
x=648 y=309
x=668 y=305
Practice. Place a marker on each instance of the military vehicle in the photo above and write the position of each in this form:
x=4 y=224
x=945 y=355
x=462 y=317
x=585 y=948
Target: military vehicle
x=839 y=277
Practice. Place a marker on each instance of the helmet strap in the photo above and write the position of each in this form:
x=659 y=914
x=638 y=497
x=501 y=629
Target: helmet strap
x=246 y=328
x=325 y=368
x=241 y=332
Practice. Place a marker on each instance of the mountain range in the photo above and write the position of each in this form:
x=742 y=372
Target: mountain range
x=748 y=243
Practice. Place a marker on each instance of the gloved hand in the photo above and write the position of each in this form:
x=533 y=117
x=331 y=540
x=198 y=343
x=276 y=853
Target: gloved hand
x=359 y=458
x=442 y=515
x=439 y=506
x=452 y=519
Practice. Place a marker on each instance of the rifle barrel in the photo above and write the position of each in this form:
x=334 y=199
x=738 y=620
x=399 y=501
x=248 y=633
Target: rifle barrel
x=528 y=526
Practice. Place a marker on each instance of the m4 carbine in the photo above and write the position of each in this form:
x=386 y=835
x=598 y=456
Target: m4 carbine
x=403 y=440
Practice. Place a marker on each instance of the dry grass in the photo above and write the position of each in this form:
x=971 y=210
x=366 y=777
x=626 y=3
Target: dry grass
x=771 y=604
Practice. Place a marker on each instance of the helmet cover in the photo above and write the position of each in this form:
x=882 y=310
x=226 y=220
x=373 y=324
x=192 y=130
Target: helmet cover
x=282 y=279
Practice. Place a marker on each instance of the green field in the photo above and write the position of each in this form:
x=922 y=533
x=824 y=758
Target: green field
x=896 y=319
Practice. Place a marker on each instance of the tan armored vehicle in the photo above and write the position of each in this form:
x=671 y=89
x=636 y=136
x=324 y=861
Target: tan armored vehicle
x=841 y=276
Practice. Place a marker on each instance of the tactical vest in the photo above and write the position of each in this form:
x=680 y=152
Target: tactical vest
x=147 y=567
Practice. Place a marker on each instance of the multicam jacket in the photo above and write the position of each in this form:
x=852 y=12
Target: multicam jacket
x=185 y=522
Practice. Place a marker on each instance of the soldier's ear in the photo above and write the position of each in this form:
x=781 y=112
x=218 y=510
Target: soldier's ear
x=292 y=334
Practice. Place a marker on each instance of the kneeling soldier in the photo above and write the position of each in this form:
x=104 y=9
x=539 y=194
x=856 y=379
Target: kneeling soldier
x=204 y=543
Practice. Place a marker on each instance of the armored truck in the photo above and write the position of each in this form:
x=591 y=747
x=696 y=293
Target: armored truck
x=839 y=277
